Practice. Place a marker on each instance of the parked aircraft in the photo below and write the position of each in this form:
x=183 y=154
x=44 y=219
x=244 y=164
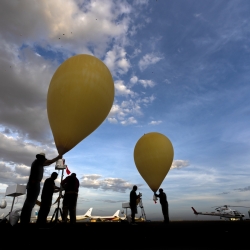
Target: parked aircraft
x=85 y=216
x=224 y=212
x=114 y=217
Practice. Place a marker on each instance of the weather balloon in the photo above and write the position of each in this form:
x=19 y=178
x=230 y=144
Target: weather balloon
x=153 y=156
x=80 y=96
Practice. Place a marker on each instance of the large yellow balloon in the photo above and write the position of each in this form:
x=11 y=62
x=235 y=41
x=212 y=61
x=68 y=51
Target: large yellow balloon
x=80 y=96
x=153 y=156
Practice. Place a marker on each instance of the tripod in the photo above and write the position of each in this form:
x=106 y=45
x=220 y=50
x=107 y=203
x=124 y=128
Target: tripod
x=143 y=214
x=58 y=209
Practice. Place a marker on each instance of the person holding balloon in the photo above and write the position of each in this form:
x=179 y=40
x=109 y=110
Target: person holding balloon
x=33 y=185
x=153 y=156
x=164 y=204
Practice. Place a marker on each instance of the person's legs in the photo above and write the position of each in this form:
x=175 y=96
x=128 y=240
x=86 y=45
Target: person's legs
x=133 y=210
x=65 y=207
x=72 y=208
x=32 y=194
x=43 y=213
x=165 y=212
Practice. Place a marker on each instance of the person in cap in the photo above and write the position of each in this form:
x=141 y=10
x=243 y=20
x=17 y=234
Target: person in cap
x=33 y=185
x=133 y=203
x=71 y=185
x=49 y=188
x=164 y=204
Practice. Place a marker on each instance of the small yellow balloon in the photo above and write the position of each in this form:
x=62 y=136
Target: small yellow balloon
x=80 y=96
x=153 y=156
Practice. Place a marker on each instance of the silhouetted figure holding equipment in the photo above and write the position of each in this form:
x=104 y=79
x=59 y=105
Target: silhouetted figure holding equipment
x=133 y=203
x=33 y=185
x=46 y=199
x=164 y=204
x=71 y=185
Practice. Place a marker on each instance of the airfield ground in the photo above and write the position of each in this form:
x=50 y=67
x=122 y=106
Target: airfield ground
x=120 y=235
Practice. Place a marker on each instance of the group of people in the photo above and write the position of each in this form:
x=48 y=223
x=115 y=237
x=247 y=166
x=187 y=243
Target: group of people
x=70 y=185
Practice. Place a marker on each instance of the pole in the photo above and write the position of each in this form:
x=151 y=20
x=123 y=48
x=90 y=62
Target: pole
x=12 y=204
x=58 y=209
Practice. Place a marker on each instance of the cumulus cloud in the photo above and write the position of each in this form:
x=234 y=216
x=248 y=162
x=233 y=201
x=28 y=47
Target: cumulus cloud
x=146 y=83
x=60 y=29
x=148 y=59
x=112 y=120
x=134 y=79
x=49 y=20
x=130 y=120
x=17 y=151
x=179 y=164
x=116 y=60
x=9 y=176
x=155 y=122
x=125 y=112
x=121 y=89
x=113 y=184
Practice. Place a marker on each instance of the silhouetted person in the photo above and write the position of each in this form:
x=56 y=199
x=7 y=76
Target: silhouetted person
x=33 y=185
x=46 y=198
x=71 y=186
x=132 y=203
x=164 y=204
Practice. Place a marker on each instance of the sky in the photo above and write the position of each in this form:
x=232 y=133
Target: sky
x=180 y=68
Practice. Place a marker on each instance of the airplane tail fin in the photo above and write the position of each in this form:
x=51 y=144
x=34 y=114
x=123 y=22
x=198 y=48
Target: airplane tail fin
x=195 y=212
x=88 y=213
x=116 y=214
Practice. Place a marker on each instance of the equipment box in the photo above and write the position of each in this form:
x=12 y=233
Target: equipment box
x=15 y=190
x=125 y=205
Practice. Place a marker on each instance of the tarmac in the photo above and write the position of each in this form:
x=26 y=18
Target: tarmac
x=121 y=235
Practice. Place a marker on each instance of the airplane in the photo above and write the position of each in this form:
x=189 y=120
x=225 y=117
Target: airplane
x=114 y=217
x=87 y=215
x=224 y=212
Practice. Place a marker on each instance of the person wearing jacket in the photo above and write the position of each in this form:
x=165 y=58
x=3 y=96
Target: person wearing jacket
x=164 y=204
x=71 y=185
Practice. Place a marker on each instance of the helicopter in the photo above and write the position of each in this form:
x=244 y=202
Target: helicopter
x=224 y=212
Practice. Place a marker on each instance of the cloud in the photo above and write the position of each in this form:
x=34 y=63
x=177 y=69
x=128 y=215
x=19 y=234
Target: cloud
x=121 y=89
x=113 y=184
x=243 y=189
x=146 y=83
x=112 y=201
x=23 y=94
x=148 y=59
x=124 y=113
x=17 y=151
x=49 y=20
x=9 y=176
x=134 y=79
x=130 y=120
x=223 y=193
x=141 y=2
x=155 y=122
x=179 y=164
x=116 y=60
x=112 y=120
